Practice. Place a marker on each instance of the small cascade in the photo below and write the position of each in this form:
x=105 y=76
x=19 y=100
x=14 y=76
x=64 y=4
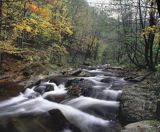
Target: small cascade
x=92 y=112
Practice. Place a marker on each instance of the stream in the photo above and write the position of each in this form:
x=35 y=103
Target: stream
x=94 y=111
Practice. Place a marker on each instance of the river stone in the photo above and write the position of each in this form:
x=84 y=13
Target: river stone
x=84 y=74
x=52 y=122
x=59 y=121
x=77 y=87
x=138 y=102
x=56 y=80
x=107 y=80
x=56 y=98
x=142 y=126
x=43 y=88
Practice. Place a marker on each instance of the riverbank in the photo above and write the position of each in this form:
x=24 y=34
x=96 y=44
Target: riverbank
x=140 y=103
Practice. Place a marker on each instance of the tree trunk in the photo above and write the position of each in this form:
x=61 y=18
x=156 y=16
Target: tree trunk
x=151 y=38
x=0 y=18
x=145 y=39
x=158 y=6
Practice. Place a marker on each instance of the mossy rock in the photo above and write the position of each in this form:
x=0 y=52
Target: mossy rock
x=143 y=126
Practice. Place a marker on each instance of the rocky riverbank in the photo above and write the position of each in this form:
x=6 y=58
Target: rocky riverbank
x=141 y=102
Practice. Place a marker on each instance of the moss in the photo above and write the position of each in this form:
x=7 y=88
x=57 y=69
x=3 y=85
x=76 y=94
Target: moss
x=154 y=123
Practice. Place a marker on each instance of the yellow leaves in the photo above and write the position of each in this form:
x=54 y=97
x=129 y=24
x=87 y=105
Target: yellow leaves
x=39 y=10
x=8 y=47
x=25 y=25
x=56 y=49
x=28 y=29
x=69 y=31
x=45 y=21
x=19 y=27
x=150 y=29
x=33 y=21
x=64 y=26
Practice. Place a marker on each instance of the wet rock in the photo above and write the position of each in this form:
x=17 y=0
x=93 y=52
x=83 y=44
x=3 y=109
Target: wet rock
x=77 y=87
x=40 y=89
x=105 y=66
x=60 y=122
x=52 y=122
x=72 y=72
x=138 y=102
x=57 y=80
x=49 y=88
x=25 y=124
x=107 y=80
x=143 y=126
x=91 y=92
x=84 y=73
x=56 y=98
x=136 y=77
x=43 y=88
x=76 y=72
x=39 y=80
x=108 y=66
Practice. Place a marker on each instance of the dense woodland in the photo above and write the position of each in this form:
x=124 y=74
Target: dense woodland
x=63 y=32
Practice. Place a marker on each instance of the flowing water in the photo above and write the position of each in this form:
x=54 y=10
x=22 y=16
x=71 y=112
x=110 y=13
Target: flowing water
x=95 y=112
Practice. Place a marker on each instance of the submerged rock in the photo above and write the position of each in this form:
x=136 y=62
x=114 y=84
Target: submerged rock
x=107 y=80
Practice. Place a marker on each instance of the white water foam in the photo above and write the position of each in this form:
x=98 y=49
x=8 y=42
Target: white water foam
x=39 y=105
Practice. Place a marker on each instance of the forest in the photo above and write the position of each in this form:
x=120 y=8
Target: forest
x=126 y=32
x=90 y=61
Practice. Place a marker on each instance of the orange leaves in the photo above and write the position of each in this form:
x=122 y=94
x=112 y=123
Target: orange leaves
x=39 y=10
x=46 y=19
x=43 y=12
x=33 y=8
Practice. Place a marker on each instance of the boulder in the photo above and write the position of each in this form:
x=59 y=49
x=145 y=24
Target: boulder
x=54 y=121
x=136 y=78
x=43 y=88
x=76 y=72
x=142 y=126
x=57 y=80
x=56 y=98
x=77 y=87
x=72 y=72
x=59 y=121
x=138 y=102
x=84 y=73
